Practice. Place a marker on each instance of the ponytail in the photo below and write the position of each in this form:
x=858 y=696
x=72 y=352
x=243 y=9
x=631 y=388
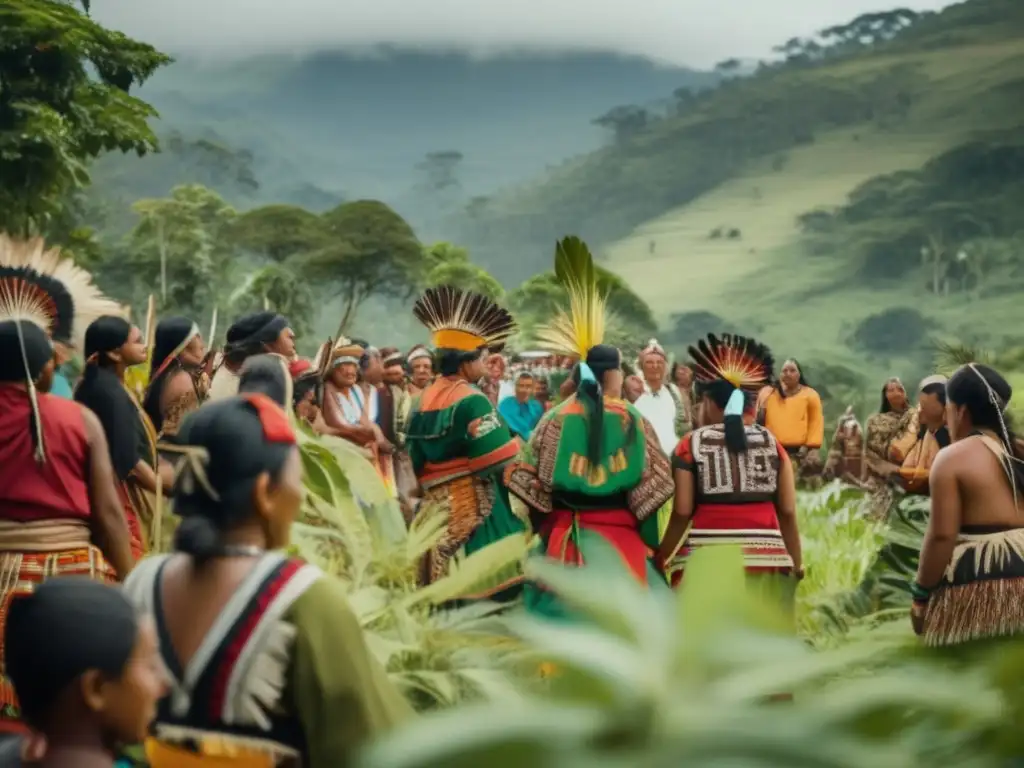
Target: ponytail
x=591 y=397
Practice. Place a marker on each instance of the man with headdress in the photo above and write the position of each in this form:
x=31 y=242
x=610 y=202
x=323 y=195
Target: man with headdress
x=457 y=442
x=252 y=334
x=594 y=468
x=420 y=362
x=59 y=512
x=658 y=403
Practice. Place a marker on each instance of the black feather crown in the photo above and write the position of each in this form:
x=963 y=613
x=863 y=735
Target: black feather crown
x=743 y=362
x=463 y=320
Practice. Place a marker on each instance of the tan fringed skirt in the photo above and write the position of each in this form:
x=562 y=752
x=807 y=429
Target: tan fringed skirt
x=981 y=596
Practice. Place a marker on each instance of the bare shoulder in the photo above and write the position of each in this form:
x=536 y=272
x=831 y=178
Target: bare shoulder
x=954 y=456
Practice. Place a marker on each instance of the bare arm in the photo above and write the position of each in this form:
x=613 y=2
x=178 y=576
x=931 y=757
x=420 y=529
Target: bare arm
x=146 y=476
x=682 y=511
x=109 y=527
x=785 y=511
x=333 y=419
x=944 y=523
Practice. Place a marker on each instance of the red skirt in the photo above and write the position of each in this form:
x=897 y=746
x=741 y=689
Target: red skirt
x=619 y=527
x=131 y=517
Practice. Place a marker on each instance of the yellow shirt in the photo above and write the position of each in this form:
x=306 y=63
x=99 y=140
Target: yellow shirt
x=797 y=420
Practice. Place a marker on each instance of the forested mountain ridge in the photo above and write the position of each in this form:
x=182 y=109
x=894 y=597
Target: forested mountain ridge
x=895 y=82
x=330 y=125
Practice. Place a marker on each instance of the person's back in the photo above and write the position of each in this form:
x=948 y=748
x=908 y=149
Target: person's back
x=986 y=498
x=33 y=491
x=267 y=661
x=970 y=581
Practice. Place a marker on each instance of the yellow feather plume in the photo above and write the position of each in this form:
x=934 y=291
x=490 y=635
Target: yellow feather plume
x=574 y=332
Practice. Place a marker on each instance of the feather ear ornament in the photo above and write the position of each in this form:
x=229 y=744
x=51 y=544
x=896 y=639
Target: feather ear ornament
x=743 y=362
x=574 y=332
x=463 y=320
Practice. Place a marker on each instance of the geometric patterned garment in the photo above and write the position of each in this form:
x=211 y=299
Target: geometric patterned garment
x=734 y=497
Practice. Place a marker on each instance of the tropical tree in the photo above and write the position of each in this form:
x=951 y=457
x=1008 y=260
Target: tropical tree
x=181 y=244
x=370 y=250
x=64 y=83
x=281 y=289
x=468 y=276
x=280 y=232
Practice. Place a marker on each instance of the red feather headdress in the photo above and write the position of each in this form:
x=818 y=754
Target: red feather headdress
x=743 y=362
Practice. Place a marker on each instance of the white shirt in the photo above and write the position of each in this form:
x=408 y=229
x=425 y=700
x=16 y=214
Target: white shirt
x=659 y=408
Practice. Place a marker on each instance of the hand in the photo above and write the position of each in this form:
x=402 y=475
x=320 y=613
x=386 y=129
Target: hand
x=385 y=446
x=917 y=613
x=798 y=573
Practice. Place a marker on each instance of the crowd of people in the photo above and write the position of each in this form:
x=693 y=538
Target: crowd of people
x=227 y=651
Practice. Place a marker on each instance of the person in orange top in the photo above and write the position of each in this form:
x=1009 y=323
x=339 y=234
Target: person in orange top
x=792 y=412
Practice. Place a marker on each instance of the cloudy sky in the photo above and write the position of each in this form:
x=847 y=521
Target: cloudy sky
x=691 y=32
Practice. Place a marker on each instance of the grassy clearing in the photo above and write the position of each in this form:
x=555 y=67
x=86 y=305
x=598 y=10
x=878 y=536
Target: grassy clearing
x=764 y=281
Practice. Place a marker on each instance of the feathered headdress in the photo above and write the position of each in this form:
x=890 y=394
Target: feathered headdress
x=743 y=362
x=462 y=320
x=573 y=333
x=46 y=288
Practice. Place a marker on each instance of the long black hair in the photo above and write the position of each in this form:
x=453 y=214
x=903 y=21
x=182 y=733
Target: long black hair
x=601 y=359
x=102 y=392
x=886 y=406
x=799 y=369
x=986 y=396
x=719 y=391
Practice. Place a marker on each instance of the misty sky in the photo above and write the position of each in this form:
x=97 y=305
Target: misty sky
x=691 y=32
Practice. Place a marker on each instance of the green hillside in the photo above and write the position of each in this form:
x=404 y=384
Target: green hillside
x=794 y=203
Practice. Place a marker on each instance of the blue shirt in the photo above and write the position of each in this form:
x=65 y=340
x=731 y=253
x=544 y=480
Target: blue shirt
x=521 y=417
x=61 y=387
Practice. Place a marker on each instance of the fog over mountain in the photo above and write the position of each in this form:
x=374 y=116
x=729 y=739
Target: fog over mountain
x=694 y=33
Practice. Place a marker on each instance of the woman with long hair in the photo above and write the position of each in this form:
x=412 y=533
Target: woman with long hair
x=791 y=410
x=268 y=663
x=112 y=345
x=970 y=581
x=734 y=481
x=594 y=470
x=177 y=383
x=894 y=418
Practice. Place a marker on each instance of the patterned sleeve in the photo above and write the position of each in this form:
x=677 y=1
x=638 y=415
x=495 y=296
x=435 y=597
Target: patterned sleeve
x=489 y=444
x=657 y=485
x=528 y=478
x=682 y=456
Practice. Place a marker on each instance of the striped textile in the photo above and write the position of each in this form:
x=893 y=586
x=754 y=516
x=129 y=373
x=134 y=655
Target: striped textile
x=20 y=572
x=763 y=549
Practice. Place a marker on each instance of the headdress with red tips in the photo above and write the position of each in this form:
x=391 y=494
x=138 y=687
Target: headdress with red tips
x=743 y=362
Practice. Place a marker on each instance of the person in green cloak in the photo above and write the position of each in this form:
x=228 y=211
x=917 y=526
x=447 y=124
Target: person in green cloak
x=594 y=469
x=457 y=442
